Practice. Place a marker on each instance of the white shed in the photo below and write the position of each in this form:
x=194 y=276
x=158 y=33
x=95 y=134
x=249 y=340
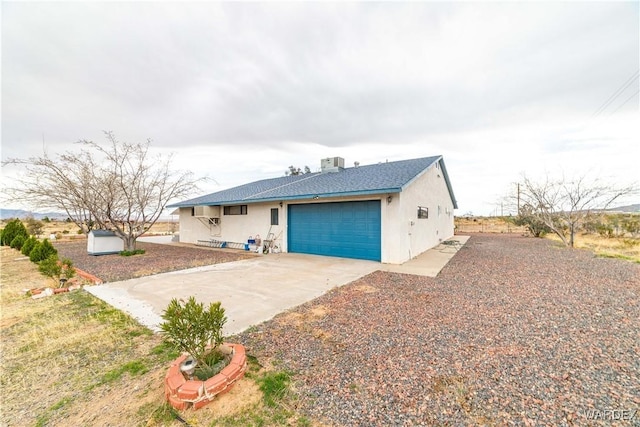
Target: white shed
x=103 y=242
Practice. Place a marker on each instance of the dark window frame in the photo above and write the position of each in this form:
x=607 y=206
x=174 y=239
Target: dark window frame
x=235 y=210
x=423 y=212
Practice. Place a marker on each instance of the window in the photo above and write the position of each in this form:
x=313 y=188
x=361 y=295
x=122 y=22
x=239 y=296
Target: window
x=235 y=210
x=274 y=216
x=423 y=212
x=193 y=211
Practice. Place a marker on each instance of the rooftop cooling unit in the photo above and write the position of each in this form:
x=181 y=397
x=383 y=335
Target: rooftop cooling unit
x=332 y=164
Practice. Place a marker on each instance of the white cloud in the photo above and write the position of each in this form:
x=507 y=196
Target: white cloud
x=242 y=90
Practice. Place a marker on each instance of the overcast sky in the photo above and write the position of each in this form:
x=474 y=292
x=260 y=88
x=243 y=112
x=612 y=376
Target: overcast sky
x=239 y=91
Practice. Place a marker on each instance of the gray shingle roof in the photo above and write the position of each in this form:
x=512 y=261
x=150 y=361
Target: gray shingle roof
x=390 y=177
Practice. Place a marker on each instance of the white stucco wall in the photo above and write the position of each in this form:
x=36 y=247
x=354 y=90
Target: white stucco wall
x=405 y=236
x=234 y=228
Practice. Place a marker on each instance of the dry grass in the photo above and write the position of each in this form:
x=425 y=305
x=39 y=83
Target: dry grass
x=610 y=247
x=58 y=348
x=486 y=225
x=69 y=359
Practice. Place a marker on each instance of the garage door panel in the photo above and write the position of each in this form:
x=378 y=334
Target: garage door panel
x=345 y=229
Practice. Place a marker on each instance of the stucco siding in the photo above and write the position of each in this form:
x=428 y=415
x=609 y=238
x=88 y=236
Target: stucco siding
x=405 y=235
x=234 y=228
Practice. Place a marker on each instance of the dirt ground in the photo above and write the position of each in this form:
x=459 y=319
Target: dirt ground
x=486 y=225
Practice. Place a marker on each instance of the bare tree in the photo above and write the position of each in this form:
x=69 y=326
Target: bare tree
x=564 y=205
x=118 y=186
x=297 y=171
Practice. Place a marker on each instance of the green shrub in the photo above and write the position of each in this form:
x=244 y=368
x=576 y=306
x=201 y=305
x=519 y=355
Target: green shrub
x=28 y=245
x=17 y=242
x=50 y=267
x=534 y=225
x=55 y=268
x=68 y=271
x=42 y=250
x=189 y=328
x=133 y=252
x=14 y=228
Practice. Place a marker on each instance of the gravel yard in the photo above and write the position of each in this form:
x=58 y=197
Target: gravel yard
x=157 y=259
x=514 y=331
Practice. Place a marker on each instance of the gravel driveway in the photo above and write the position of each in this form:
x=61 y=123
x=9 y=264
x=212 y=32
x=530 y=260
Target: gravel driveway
x=513 y=331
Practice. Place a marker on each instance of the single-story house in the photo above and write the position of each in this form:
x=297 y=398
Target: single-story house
x=388 y=212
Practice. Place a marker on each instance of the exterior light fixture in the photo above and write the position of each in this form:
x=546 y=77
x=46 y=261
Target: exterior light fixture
x=389 y=199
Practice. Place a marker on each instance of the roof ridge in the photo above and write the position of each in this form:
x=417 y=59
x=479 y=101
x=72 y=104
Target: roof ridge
x=280 y=186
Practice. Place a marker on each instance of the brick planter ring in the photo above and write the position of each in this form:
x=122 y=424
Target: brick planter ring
x=182 y=393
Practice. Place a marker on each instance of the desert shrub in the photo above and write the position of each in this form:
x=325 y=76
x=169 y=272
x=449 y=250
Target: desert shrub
x=42 y=250
x=34 y=227
x=534 y=225
x=631 y=225
x=17 y=242
x=28 y=245
x=189 y=328
x=14 y=228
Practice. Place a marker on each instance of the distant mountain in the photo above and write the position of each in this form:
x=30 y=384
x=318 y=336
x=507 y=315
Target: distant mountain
x=22 y=214
x=629 y=208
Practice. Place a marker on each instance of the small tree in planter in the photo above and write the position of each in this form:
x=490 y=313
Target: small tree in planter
x=191 y=329
x=59 y=270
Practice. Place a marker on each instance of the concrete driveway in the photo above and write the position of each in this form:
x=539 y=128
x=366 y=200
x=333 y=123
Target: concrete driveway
x=251 y=291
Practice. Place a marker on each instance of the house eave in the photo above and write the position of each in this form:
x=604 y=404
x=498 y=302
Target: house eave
x=310 y=197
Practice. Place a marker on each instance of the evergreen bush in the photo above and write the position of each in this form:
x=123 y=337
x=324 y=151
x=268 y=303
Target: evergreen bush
x=42 y=250
x=17 y=242
x=14 y=228
x=28 y=245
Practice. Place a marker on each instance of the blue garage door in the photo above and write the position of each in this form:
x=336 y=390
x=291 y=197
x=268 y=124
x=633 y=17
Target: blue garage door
x=344 y=229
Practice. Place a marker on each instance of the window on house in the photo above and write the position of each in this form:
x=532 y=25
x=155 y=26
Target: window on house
x=274 y=216
x=193 y=211
x=235 y=210
x=423 y=212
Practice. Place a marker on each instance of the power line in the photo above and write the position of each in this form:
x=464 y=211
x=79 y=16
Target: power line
x=627 y=100
x=616 y=94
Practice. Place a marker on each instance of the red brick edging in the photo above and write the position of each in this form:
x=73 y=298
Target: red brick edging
x=182 y=393
x=88 y=276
